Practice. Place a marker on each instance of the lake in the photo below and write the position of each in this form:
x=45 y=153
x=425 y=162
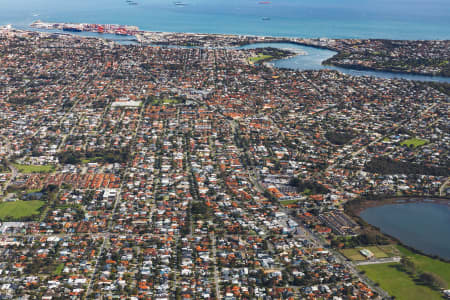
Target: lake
x=391 y=19
x=424 y=226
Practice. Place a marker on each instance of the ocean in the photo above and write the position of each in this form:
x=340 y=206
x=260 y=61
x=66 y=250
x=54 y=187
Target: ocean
x=391 y=19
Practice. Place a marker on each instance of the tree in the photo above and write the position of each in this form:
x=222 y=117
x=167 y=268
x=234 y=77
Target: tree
x=386 y=165
x=433 y=280
x=307 y=187
x=339 y=138
x=408 y=265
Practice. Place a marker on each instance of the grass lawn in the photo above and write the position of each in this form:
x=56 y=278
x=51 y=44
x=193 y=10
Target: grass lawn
x=19 y=209
x=428 y=264
x=414 y=142
x=390 y=250
x=260 y=57
x=32 y=191
x=353 y=254
x=90 y=160
x=165 y=101
x=397 y=283
x=170 y=101
x=288 y=202
x=58 y=269
x=34 y=169
x=402 y=285
x=307 y=192
x=378 y=251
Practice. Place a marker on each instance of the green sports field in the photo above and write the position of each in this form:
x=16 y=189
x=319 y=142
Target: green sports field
x=414 y=142
x=398 y=283
x=354 y=254
x=428 y=264
x=19 y=209
x=288 y=202
x=403 y=285
x=34 y=168
x=260 y=57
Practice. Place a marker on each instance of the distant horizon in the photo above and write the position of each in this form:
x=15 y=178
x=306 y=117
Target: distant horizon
x=403 y=20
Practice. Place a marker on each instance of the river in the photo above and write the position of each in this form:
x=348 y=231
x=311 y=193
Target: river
x=309 y=58
x=424 y=226
x=314 y=57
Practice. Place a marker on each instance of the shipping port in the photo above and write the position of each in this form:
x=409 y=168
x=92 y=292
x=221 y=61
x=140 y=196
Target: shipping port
x=82 y=27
